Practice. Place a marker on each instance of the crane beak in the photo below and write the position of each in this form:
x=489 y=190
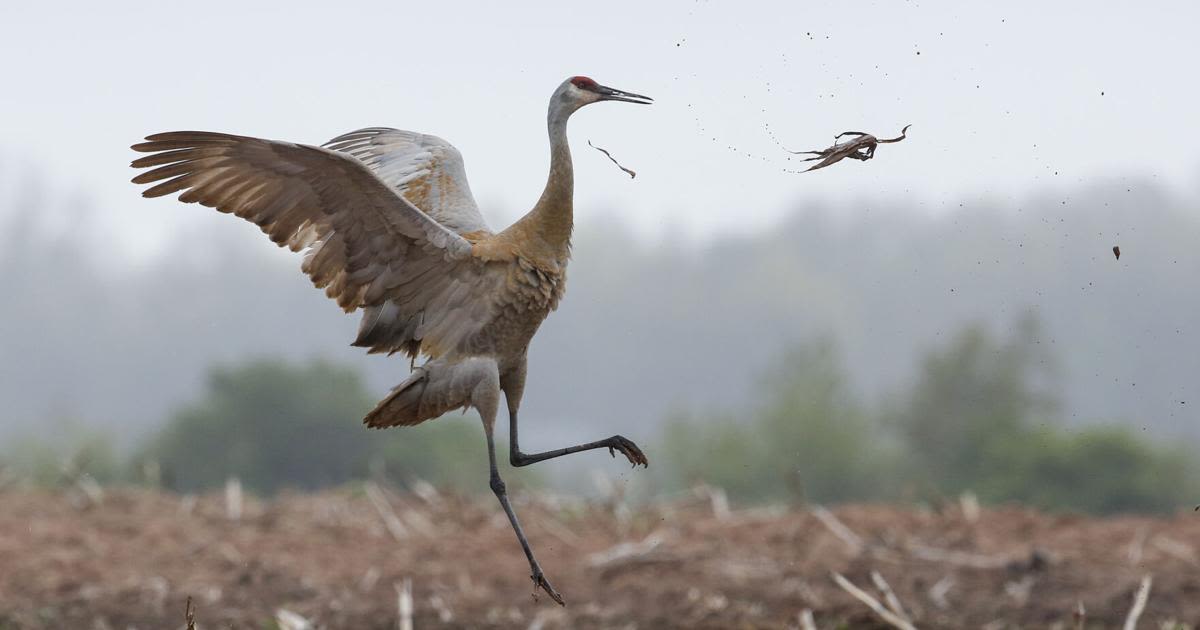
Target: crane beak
x=610 y=94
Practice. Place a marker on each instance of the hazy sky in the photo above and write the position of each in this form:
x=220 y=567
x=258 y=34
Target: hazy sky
x=1003 y=97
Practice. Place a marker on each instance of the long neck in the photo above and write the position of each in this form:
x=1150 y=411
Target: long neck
x=552 y=218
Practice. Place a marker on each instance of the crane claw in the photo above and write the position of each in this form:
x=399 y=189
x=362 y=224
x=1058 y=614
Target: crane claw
x=628 y=449
x=540 y=582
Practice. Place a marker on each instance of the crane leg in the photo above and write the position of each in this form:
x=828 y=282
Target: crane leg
x=484 y=382
x=613 y=444
x=501 y=492
x=440 y=386
x=512 y=382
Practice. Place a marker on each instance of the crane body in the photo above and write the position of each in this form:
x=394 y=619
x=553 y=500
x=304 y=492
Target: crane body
x=389 y=227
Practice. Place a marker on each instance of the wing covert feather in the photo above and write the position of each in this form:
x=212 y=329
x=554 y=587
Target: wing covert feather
x=424 y=169
x=367 y=246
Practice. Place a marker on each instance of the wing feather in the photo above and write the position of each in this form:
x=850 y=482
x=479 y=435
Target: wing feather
x=426 y=170
x=368 y=245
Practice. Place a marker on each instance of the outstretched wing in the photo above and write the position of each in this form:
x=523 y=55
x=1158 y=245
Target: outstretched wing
x=420 y=286
x=425 y=170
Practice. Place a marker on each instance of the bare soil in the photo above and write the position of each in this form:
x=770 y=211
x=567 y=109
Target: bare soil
x=131 y=560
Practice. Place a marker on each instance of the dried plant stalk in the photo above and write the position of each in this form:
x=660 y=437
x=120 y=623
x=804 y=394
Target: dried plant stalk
x=1139 y=603
x=872 y=603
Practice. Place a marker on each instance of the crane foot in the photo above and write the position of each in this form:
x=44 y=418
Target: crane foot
x=540 y=581
x=628 y=449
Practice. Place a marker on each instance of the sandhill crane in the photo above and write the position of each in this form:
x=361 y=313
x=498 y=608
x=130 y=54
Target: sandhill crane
x=390 y=227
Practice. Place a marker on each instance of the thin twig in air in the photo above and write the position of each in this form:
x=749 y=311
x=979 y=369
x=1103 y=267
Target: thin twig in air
x=614 y=160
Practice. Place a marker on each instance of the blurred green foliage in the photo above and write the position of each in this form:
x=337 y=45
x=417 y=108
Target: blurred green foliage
x=808 y=439
x=270 y=424
x=971 y=398
x=277 y=425
x=75 y=452
x=979 y=418
x=1097 y=469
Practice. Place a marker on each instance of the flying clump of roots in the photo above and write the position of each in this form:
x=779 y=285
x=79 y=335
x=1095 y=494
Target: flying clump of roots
x=861 y=146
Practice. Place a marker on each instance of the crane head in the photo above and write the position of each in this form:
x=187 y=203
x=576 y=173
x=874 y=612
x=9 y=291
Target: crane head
x=578 y=91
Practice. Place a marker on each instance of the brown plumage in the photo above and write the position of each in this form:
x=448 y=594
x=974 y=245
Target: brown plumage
x=390 y=227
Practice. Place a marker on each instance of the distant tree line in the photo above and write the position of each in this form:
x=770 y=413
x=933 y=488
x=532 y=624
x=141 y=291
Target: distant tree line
x=981 y=417
x=85 y=328
x=274 y=425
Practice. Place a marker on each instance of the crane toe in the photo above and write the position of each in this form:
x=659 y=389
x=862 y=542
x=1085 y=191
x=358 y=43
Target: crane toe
x=628 y=449
x=540 y=581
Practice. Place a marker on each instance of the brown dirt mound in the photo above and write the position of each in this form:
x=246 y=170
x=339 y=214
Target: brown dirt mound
x=133 y=559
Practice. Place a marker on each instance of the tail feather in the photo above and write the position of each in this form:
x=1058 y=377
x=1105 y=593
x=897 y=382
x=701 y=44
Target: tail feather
x=402 y=407
x=437 y=387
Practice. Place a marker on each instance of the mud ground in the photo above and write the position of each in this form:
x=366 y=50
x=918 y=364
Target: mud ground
x=131 y=559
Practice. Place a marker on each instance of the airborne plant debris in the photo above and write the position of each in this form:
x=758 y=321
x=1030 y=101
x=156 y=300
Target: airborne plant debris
x=860 y=147
x=632 y=174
